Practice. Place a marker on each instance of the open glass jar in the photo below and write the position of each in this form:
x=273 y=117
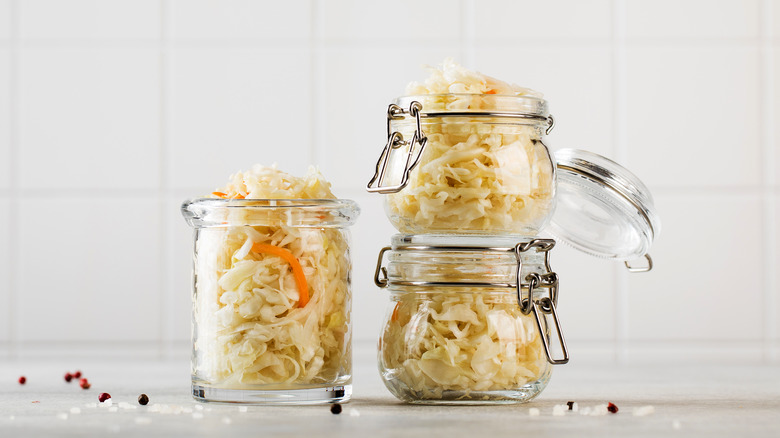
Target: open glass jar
x=271 y=300
x=467 y=164
x=470 y=319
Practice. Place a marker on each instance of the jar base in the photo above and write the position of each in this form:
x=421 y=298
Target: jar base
x=474 y=398
x=309 y=396
x=439 y=396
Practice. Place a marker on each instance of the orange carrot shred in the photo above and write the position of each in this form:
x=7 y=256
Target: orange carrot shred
x=491 y=91
x=394 y=316
x=225 y=195
x=300 y=278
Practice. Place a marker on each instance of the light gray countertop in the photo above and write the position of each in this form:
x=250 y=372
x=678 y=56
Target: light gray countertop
x=688 y=401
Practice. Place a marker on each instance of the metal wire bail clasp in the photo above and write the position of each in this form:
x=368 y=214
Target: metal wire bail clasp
x=544 y=305
x=395 y=140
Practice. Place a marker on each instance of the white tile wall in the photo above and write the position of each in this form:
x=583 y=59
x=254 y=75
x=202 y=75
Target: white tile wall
x=93 y=124
x=5 y=281
x=89 y=19
x=89 y=269
x=5 y=19
x=354 y=20
x=774 y=283
x=774 y=130
x=233 y=19
x=179 y=239
x=540 y=20
x=5 y=115
x=696 y=294
x=588 y=295
x=693 y=18
x=113 y=112
x=691 y=107
x=772 y=9
x=369 y=235
x=774 y=280
x=234 y=107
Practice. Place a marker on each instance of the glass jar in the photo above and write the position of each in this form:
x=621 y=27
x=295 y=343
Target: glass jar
x=271 y=300
x=460 y=330
x=467 y=164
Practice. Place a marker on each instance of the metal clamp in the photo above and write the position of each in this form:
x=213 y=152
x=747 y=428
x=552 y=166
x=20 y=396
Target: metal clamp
x=549 y=279
x=645 y=268
x=395 y=140
x=550 y=124
x=546 y=306
x=543 y=305
x=381 y=282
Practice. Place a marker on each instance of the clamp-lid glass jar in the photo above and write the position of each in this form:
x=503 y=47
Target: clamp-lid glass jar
x=271 y=300
x=460 y=328
x=467 y=164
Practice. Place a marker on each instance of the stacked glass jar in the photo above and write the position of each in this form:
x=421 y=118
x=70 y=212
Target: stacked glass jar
x=470 y=184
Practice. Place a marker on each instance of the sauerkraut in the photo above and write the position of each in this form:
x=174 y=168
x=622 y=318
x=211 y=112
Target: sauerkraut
x=272 y=301
x=460 y=346
x=476 y=174
x=452 y=78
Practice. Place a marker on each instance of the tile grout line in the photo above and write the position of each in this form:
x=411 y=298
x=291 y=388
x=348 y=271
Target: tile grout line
x=14 y=244
x=467 y=6
x=766 y=110
x=315 y=75
x=58 y=193
x=467 y=38
x=461 y=59
x=166 y=251
x=619 y=87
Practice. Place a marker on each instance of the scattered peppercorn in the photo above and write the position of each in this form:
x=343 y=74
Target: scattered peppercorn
x=77 y=374
x=143 y=399
x=611 y=407
x=103 y=397
x=335 y=408
x=68 y=377
x=570 y=405
x=22 y=380
x=84 y=383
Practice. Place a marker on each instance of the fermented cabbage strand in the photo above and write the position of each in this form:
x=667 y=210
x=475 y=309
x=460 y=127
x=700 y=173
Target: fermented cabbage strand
x=476 y=175
x=467 y=341
x=250 y=329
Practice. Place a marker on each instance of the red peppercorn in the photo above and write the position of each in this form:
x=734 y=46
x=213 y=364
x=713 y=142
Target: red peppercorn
x=68 y=377
x=84 y=383
x=103 y=397
x=611 y=407
x=143 y=399
x=22 y=380
x=77 y=374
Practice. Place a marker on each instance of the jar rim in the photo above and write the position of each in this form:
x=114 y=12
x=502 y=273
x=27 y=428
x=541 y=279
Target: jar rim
x=477 y=104
x=209 y=212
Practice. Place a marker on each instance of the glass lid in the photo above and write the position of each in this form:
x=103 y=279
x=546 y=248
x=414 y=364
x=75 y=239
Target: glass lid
x=602 y=208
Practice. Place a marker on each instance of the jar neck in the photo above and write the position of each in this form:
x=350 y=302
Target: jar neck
x=464 y=261
x=454 y=103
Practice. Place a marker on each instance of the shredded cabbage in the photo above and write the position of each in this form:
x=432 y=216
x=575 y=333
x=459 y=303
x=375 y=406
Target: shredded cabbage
x=467 y=341
x=476 y=175
x=453 y=78
x=249 y=326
